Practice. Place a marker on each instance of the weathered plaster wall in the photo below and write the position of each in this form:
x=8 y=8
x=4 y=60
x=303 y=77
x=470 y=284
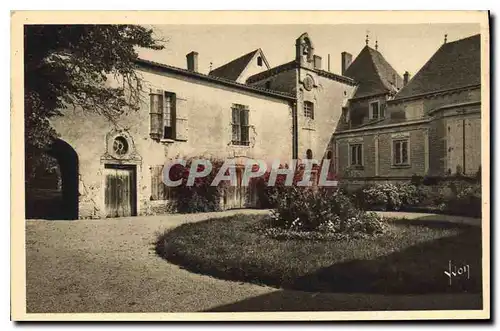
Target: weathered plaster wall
x=208 y=110
x=285 y=81
x=252 y=69
x=328 y=97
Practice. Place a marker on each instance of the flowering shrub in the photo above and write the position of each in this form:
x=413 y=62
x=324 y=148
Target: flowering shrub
x=200 y=197
x=466 y=200
x=267 y=194
x=326 y=210
x=389 y=196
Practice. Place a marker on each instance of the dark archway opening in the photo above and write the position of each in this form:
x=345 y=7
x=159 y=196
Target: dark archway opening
x=53 y=192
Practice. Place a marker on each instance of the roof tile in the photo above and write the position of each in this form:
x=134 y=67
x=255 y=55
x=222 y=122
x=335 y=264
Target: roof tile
x=454 y=65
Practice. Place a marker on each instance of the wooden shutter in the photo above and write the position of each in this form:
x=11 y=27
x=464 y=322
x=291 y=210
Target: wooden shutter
x=157 y=185
x=245 y=132
x=180 y=111
x=235 y=125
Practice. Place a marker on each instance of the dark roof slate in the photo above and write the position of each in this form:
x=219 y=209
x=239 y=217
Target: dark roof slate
x=213 y=79
x=233 y=69
x=455 y=64
x=373 y=73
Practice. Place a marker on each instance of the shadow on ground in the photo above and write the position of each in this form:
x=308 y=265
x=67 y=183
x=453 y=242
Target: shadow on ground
x=418 y=269
x=411 y=279
x=305 y=301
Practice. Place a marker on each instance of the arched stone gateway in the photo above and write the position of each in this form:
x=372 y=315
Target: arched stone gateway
x=53 y=193
x=67 y=159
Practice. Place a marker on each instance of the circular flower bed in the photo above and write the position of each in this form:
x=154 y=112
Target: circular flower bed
x=405 y=258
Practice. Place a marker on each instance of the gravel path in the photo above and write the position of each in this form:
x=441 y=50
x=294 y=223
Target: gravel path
x=110 y=266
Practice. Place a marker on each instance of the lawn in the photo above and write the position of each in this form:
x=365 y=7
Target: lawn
x=409 y=259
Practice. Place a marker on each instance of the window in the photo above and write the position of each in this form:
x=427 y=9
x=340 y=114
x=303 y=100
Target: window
x=259 y=61
x=162 y=115
x=120 y=146
x=356 y=154
x=268 y=84
x=168 y=115
x=309 y=109
x=329 y=155
x=375 y=110
x=400 y=155
x=240 y=125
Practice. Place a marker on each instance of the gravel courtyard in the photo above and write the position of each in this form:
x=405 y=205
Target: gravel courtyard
x=110 y=266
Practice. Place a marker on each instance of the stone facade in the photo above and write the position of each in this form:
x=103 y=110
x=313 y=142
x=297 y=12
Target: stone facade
x=423 y=131
x=204 y=105
x=372 y=126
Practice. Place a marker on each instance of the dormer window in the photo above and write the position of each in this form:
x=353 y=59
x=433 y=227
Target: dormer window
x=375 y=111
x=259 y=61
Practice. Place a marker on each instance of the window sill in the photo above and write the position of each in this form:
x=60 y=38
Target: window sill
x=240 y=145
x=400 y=166
x=357 y=167
x=167 y=141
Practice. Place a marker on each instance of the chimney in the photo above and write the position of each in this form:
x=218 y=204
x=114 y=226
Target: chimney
x=317 y=62
x=406 y=78
x=346 y=61
x=192 y=61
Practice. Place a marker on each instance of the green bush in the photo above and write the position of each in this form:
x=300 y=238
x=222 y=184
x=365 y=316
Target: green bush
x=458 y=197
x=201 y=197
x=388 y=196
x=324 y=210
x=466 y=200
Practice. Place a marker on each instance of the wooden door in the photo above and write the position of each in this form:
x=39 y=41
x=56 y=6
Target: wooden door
x=234 y=196
x=120 y=191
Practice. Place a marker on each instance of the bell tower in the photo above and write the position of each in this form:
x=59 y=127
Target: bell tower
x=304 y=51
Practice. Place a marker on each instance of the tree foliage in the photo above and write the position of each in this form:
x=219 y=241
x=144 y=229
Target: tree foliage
x=68 y=66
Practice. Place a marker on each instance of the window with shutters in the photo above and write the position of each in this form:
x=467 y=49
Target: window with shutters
x=356 y=154
x=240 y=125
x=162 y=115
x=400 y=152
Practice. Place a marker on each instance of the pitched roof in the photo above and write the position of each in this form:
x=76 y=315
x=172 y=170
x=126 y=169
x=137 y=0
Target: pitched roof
x=272 y=71
x=454 y=65
x=293 y=65
x=373 y=73
x=235 y=68
x=217 y=80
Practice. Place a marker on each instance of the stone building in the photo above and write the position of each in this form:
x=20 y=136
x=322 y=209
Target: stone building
x=372 y=123
x=242 y=110
x=393 y=128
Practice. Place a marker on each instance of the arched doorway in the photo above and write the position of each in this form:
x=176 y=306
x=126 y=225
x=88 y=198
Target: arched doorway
x=67 y=159
x=53 y=193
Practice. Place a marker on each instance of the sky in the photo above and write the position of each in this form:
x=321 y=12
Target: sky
x=405 y=47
